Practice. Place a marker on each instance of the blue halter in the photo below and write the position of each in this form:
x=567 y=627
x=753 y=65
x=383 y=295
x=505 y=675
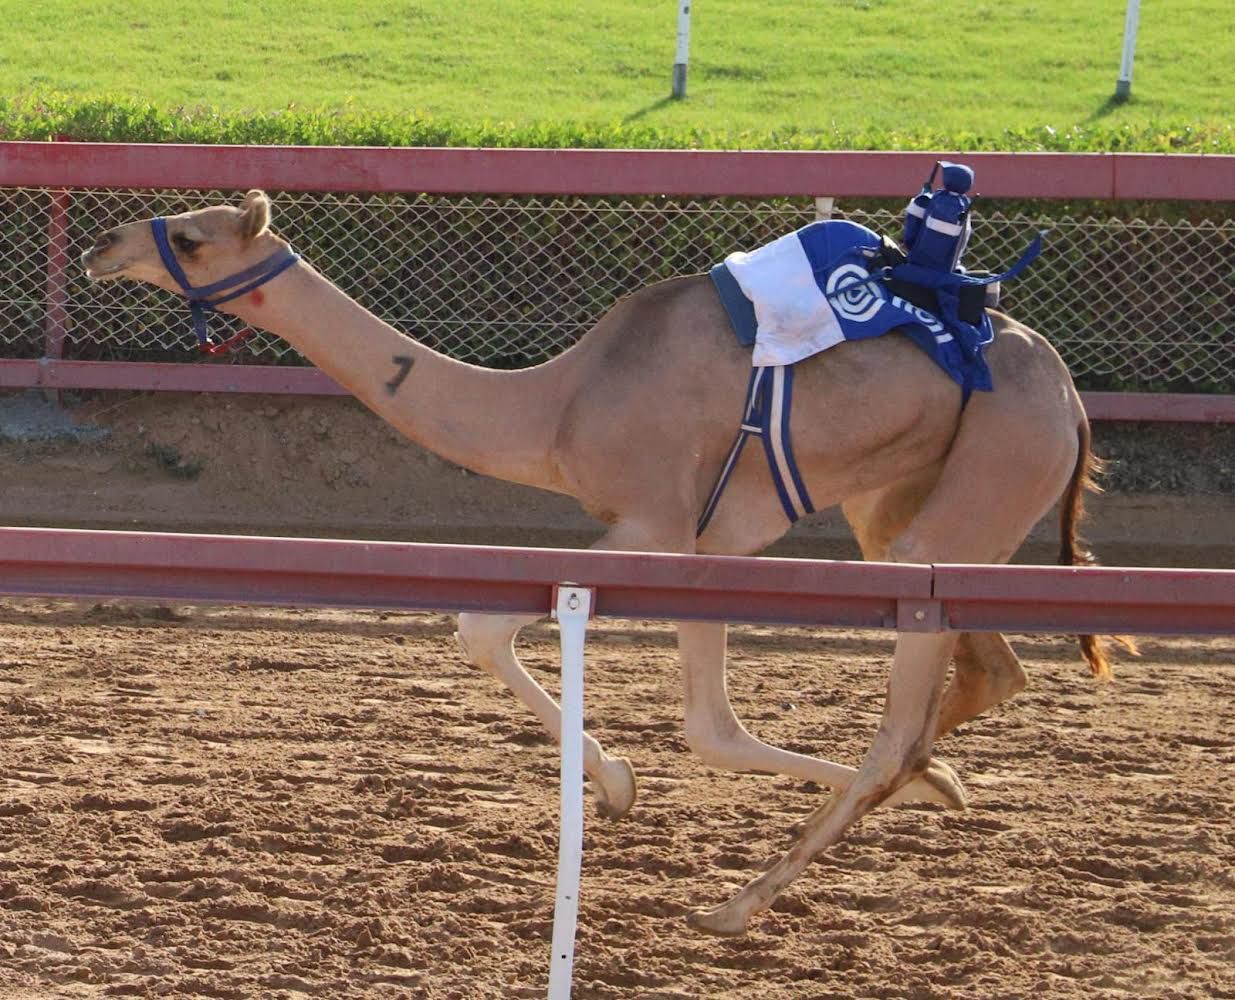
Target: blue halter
x=218 y=292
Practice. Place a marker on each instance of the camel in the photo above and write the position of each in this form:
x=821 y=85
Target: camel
x=635 y=421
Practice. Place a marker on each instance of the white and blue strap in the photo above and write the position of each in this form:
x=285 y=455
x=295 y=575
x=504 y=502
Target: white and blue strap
x=769 y=403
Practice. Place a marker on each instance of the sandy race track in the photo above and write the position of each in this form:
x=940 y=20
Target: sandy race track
x=239 y=802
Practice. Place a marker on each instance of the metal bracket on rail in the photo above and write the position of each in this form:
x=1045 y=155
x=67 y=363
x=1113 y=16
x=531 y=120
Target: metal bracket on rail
x=920 y=616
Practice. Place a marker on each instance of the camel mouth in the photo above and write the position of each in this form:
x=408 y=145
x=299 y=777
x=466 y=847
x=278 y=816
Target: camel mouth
x=97 y=271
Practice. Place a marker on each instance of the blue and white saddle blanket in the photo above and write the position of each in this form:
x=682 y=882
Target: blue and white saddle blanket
x=812 y=289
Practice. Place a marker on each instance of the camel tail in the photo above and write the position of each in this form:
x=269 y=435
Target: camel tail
x=1072 y=547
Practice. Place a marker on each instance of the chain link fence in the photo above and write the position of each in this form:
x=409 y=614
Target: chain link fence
x=508 y=282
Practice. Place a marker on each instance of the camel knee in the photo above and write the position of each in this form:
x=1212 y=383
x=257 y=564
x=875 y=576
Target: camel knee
x=1009 y=683
x=477 y=637
x=987 y=673
x=990 y=683
x=906 y=548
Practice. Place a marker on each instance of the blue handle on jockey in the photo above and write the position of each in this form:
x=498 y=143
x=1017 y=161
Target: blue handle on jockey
x=932 y=278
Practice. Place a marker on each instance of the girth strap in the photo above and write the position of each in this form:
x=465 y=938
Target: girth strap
x=769 y=402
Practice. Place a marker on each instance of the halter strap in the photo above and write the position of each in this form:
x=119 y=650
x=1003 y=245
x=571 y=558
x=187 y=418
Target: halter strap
x=217 y=292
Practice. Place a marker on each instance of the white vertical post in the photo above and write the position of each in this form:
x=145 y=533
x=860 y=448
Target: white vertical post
x=683 y=52
x=572 y=608
x=824 y=207
x=1123 y=86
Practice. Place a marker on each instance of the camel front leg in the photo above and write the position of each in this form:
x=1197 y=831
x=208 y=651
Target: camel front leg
x=489 y=642
x=901 y=749
x=717 y=736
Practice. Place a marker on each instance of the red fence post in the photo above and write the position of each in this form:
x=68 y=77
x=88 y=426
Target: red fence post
x=57 y=291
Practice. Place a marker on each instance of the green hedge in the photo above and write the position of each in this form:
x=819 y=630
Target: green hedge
x=116 y=119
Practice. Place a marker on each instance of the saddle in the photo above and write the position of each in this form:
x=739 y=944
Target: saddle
x=974 y=299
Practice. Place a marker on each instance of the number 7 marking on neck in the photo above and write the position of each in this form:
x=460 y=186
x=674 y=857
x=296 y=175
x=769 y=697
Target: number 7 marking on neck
x=405 y=365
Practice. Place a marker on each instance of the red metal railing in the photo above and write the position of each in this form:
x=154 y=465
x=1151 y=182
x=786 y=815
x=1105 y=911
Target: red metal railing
x=1096 y=176
x=52 y=374
x=51 y=562
x=65 y=165
x=49 y=373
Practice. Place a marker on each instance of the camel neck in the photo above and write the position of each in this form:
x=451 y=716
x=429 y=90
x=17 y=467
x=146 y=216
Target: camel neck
x=498 y=423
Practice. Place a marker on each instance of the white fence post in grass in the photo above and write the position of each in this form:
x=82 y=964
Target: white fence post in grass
x=1123 y=86
x=683 y=52
x=572 y=606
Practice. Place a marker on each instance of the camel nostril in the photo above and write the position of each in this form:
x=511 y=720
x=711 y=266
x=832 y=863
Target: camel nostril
x=105 y=240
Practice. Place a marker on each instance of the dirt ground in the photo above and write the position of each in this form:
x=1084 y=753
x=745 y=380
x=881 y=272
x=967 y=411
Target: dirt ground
x=257 y=803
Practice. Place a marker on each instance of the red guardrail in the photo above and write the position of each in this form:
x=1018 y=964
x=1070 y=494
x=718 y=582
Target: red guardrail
x=50 y=562
x=52 y=374
x=751 y=173
x=1160 y=406
x=48 y=373
x=64 y=165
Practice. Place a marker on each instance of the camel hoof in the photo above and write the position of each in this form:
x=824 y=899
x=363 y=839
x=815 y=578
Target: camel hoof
x=947 y=785
x=721 y=921
x=616 y=789
x=938 y=784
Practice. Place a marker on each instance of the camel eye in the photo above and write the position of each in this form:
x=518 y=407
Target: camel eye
x=184 y=244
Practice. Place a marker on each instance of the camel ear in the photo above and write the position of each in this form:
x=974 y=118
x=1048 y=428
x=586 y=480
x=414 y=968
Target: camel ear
x=255 y=214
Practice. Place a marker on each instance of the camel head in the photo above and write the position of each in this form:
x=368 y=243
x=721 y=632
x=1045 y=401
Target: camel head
x=209 y=244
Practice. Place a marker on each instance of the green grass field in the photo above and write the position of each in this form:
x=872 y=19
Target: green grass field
x=872 y=73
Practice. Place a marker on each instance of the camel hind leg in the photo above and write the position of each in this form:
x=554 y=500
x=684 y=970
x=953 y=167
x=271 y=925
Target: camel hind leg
x=986 y=670
x=1010 y=462
x=749 y=518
